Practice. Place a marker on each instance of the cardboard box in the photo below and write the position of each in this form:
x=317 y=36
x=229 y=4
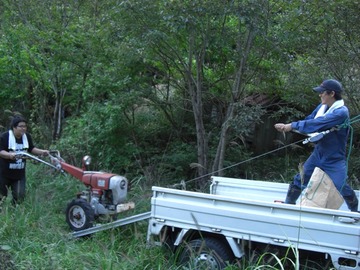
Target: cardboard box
x=321 y=192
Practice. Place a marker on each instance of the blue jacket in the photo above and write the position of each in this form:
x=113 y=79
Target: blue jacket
x=332 y=147
x=329 y=153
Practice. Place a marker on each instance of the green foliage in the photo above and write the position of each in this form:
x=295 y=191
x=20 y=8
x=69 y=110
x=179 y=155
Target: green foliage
x=246 y=117
x=104 y=128
x=287 y=114
x=116 y=80
x=34 y=234
x=354 y=168
x=14 y=72
x=110 y=134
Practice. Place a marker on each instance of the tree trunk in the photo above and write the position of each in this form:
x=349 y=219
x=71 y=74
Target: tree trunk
x=195 y=88
x=236 y=94
x=59 y=94
x=217 y=168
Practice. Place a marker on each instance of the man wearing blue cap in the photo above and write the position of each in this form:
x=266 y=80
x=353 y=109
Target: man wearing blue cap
x=330 y=152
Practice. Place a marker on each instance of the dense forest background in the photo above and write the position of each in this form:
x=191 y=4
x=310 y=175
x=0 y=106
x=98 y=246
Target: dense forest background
x=172 y=90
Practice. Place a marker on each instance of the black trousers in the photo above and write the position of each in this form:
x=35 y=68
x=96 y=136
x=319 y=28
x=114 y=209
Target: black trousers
x=17 y=187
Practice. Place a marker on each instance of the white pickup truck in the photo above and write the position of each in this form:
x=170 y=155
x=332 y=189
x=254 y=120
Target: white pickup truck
x=240 y=218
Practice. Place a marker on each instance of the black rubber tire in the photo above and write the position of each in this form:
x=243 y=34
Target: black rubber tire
x=207 y=253
x=79 y=215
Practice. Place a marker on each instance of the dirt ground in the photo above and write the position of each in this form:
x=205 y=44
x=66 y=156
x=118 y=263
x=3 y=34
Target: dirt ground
x=6 y=262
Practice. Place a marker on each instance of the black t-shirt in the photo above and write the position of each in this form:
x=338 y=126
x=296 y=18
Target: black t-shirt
x=14 y=169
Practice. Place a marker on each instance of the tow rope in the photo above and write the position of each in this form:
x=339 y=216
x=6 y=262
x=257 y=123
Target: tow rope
x=351 y=135
x=316 y=137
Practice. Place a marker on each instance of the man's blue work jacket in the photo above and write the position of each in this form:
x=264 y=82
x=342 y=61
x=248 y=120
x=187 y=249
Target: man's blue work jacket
x=330 y=152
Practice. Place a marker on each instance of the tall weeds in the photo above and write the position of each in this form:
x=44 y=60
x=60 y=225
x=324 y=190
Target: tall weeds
x=34 y=234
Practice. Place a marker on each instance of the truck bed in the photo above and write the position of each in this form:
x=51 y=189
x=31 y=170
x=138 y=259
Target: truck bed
x=245 y=210
x=252 y=189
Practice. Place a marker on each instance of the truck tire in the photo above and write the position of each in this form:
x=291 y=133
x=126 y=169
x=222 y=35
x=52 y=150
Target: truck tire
x=207 y=253
x=79 y=215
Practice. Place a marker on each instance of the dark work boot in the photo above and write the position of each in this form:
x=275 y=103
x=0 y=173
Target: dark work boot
x=292 y=194
x=352 y=202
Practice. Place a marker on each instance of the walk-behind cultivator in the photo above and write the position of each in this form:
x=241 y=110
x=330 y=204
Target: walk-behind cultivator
x=104 y=196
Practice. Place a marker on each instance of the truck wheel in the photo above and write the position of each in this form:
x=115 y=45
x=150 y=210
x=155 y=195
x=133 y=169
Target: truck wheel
x=79 y=215
x=207 y=253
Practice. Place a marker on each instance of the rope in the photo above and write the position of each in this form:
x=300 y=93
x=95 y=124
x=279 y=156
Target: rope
x=346 y=124
x=244 y=161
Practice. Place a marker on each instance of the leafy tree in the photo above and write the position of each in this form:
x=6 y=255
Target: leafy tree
x=157 y=78
x=207 y=52
x=57 y=40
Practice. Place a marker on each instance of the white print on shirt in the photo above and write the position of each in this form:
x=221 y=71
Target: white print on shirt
x=19 y=164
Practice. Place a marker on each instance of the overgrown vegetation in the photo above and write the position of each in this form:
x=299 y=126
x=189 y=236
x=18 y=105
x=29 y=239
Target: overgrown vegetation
x=34 y=234
x=162 y=91
x=165 y=84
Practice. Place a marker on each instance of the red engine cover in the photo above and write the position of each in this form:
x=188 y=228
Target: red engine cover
x=97 y=180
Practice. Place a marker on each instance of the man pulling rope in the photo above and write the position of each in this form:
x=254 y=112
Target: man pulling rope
x=330 y=151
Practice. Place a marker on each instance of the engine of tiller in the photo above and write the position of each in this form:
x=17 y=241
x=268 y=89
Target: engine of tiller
x=104 y=197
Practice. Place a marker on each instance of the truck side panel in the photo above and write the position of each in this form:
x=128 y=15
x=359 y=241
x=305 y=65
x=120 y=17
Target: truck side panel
x=321 y=230
x=254 y=189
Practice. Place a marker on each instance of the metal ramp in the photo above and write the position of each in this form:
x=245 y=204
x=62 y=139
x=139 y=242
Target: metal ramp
x=111 y=225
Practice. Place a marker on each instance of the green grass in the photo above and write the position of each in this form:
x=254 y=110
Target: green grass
x=35 y=236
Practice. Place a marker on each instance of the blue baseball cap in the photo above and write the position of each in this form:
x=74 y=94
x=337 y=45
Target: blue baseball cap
x=329 y=85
